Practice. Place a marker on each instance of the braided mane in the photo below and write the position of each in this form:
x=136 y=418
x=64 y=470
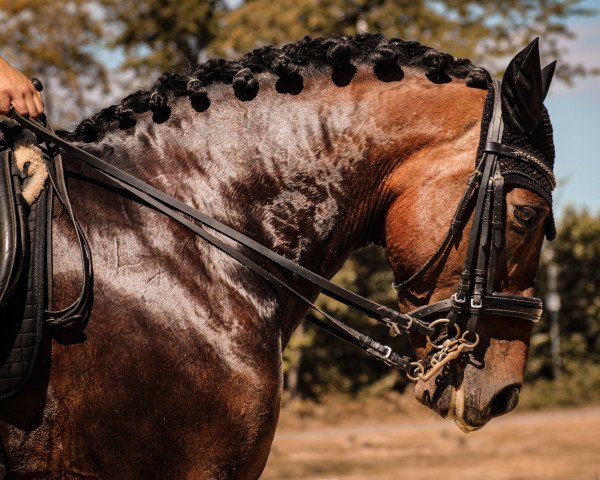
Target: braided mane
x=290 y=63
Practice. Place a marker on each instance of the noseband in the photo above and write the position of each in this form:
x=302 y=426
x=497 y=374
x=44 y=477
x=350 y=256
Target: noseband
x=474 y=295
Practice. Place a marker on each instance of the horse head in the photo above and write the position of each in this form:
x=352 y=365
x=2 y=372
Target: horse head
x=484 y=381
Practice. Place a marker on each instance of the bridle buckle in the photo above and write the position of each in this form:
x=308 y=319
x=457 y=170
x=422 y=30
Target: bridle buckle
x=385 y=357
x=476 y=304
x=457 y=299
x=387 y=354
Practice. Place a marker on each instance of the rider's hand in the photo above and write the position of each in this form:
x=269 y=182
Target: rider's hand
x=17 y=89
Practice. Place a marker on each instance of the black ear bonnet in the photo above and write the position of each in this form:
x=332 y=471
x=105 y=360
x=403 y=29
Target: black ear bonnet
x=522 y=174
x=526 y=124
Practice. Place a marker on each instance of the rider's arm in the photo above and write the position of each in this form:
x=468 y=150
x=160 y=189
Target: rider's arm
x=17 y=89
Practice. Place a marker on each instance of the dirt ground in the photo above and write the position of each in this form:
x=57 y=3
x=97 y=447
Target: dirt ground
x=530 y=445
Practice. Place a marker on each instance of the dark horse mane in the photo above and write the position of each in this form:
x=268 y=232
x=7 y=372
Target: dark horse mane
x=289 y=63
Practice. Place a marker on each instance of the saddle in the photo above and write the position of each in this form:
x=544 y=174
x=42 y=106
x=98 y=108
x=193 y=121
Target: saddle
x=24 y=203
x=31 y=177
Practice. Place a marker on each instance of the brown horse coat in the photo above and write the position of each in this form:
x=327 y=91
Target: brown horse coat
x=178 y=373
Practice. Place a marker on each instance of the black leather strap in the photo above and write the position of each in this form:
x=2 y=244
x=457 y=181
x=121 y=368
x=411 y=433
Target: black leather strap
x=522 y=156
x=496 y=228
x=76 y=313
x=516 y=306
x=370 y=346
x=466 y=276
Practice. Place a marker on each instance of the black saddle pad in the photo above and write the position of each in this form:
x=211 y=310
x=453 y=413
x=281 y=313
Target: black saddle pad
x=22 y=313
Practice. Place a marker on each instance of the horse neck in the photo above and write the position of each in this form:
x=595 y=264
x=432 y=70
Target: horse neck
x=293 y=173
x=305 y=175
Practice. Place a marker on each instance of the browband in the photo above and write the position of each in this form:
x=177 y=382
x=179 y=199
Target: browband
x=523 y=156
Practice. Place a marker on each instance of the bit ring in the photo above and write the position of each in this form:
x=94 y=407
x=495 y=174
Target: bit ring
x=472 y=344
x=441 y=321
x=418 y=371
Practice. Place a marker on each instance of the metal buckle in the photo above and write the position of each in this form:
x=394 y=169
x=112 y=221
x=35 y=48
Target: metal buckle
x=388 y=353
x=455 y=297
x=384 y=357
x=479 y=304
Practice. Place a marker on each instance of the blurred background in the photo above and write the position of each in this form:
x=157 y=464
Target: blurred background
x=340 y=409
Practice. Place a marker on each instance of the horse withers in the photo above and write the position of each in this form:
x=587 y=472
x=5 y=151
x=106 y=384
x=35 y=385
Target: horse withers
x=313 y=150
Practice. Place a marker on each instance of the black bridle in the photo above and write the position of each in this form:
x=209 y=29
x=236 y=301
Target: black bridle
x=474 y=295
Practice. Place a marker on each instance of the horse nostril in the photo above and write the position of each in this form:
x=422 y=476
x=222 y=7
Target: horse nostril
x=505 y=400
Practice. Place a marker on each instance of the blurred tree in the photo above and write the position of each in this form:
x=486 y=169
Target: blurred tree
x=577 y=253
x=477 y=29
x=54 y=41
x=330 y=365
x=61 y=41
x=162 y=34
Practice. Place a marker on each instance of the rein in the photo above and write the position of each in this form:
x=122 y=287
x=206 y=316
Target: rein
x=173 y=208
x=474 y=295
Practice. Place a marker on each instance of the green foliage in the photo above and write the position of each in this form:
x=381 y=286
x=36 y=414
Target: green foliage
x=477 y=29
x=54 y=41
x=577 y=253
x=159 y=35
x=578 y=385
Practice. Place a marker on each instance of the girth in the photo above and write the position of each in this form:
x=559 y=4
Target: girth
x=474 y=294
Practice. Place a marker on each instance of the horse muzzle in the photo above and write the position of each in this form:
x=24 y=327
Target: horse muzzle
x=481 y=384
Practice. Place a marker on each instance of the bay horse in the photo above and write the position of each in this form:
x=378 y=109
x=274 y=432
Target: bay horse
x=313 y=150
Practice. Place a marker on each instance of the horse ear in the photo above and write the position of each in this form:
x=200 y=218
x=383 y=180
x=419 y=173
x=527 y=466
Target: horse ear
x=522 y=91
x=547 y=74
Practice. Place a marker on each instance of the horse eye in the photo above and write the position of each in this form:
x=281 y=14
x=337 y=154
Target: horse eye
x=525 y=215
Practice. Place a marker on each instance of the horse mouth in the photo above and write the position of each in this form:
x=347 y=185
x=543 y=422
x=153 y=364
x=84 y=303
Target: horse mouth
x=457 y=411
x=448 y=401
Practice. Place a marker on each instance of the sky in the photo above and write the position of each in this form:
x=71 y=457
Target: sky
x=575 y=115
